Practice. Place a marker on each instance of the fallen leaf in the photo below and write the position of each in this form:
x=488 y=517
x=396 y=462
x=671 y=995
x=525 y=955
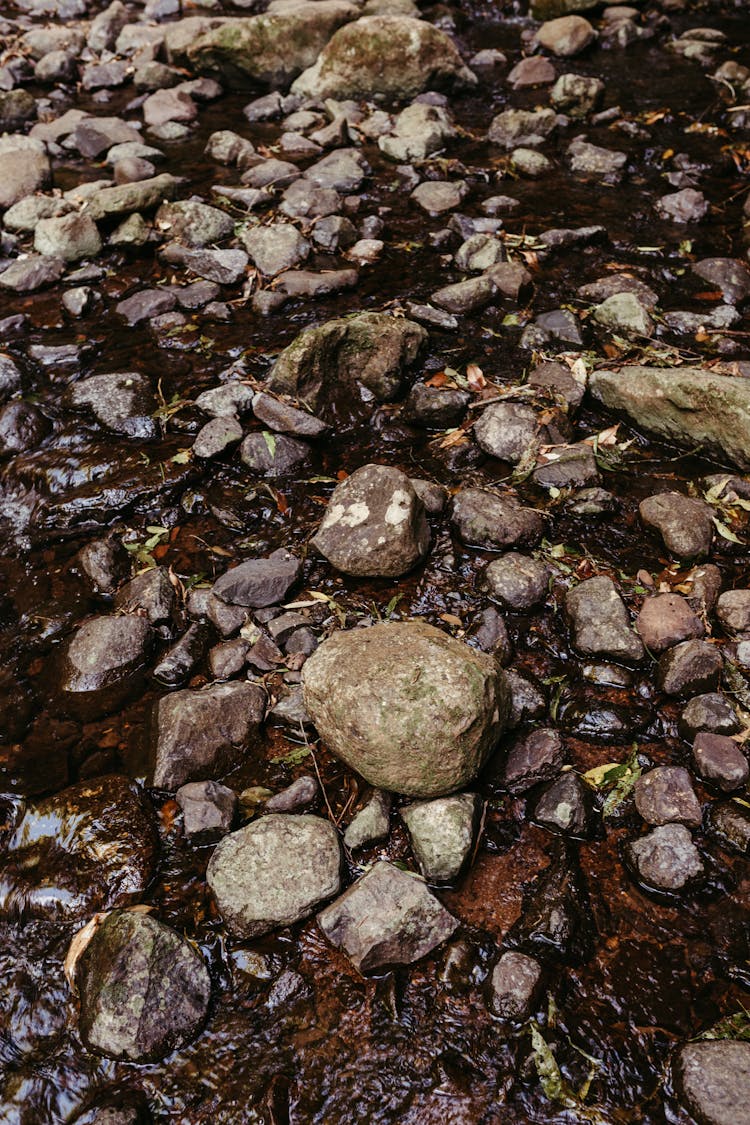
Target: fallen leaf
x=451 y=619
x=475 y=377
x=439 y=379
x=78 y=945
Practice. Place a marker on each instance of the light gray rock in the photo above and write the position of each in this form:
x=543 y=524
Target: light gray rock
x=419 y=131
x=217 y=436
x=125 y=199
x=599 y=163
x=406 y=706
x=566 y=36
x=733 y=611
x=26 y=275
x=26 y=168
x=514 y=986
x=437 y=196
x=103 y=663
x=495 y=520
x=274 y=872
x=576 y=94
x=509 y=431
x=442 y=834
x=684 y=523
x=208 y=810
x=728 y=274
x=517 y=581
x=623 y=313
x=193 y=223
x=296 y=797
x=374 y=524
x=526 y=128
x=714 y=1081
x=275 y=248
x=666 y=859
x=387 y=918
x=371 y=824
x=601 y=624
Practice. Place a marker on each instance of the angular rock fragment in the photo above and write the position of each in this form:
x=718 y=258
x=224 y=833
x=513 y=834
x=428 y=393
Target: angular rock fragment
x=442 y=834
x=259 y=582
x=371 y=824
x=495 y=520
x=514 y=986
x=665 y=795
x=103 y=663
x=600 y=621
x=683 y=523
x=666 y=859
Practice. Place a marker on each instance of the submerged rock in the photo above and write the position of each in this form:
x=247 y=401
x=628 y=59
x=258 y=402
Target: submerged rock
x=387 y=918
x=144 y=989
x=275 y=872
x=407 y=706
x=514 y=986
x=556 y=919
x=713 y=1078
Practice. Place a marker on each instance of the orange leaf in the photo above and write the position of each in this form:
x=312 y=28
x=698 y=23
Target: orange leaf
x=710 y=295
x=341 y=474
x=437 y=380
x=611 y=351
x=168 y=812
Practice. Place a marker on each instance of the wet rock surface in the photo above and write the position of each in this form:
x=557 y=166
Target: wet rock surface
x=505 y=263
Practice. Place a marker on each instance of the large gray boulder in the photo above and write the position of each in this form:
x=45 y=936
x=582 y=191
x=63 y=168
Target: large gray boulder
x=687 y=405
x=144 y=989
x=714 y=1081
x=271 y=48
x=375 y=524
x=324 y=364
x=410 y=708
x=201 y=735
x=387 y=918
x=392 y=55
x=275 y=872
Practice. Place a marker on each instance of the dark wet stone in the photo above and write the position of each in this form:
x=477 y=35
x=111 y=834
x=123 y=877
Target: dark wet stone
x=104 y=563
x=275 y=872
x=283 y=418
x=180 y=661
x=565 y=806
x=22 y=427
x=710 y=712
x=259 y=582
x=705 y=584
x=558 y=325
x=517 y=581
x=442 y=834
x=728 y=274
x=150 y=594
x=217 y=436
x=514 y=986
x=146 y=304
x=683 y=523
x=334 y=232
x=608 y=286
x=729 y=823
x=432 y=317
x=202 y=735
x=666 y=859
x=208 y=810
x=538 y=756
x=143 y=988
x=29 y=274
x=388 y=917
x=571 y=466
x=666 y=620
x=435 y=407
x=535 y=70
x=434 y=496
x=91 y=847
x=491 y=635
x=665 y=795
x=123 y=402
x=103 y=663
x=495 y=520
x=600 y=621
x=274 y=455
x=303 y=200
x=374 y=524
x=689 y=668
x=713 y=1078
x=719 y=761
x=558 y=382
x=372 y=823
x=302 y=793
x=527 y=699
x=556 y=923
x=228 y=659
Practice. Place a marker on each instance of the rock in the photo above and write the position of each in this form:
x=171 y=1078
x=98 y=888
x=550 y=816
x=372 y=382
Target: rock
x=521 y=127
x=437 y=196
x=495 y=520
x=686 y=206
x=530 y=163
x=303 y=200
x=26 y=275
x=323 y=364
x=146 y=305
x=150 y=594
x=343 y=170
x=22 y=428
x=465 y=296
x=259 y=582
x=666 y=859
x=666 y=620
x=509 y=431
x=282 y=418
x=274 y=456
x=106 y=26
x=564 y=806
x=729 y=823
x=104 y=564
x=123 y=402
x=689 y=668
x=225 y=267
x=194 y=224
x=180 y=660
x=208 y=810
x=600 y=621
x=419 y=131
x=10 y=378
x=684 y=524
x=297 y=796
x=569 y=466
x=374 y=524
x=90 y=847
x=435 y=407
x=126 y=199
x=167 y=106
x=535 y=70
x=442 y=834
x=686 y=405
x=202 y=735
x=16 y=108
x=391 y=55
x=710 y=712
x=275 y=248
x=719 y=761
x=271 y=48
x=713 y=1078
x=514 y=986
x=527 y=701
x=144 y=990
x=576 y=94
x=666 y=794
x=517 y=581
x=371 y=824
x=623 y=313
x=558 y=324
x=387 y=918
x=69 y=237
x=26 y=168
x=728 y=274
x=539 y=756
x=103 y=663
x=406 y=706
x=308 y=284
x=600 y=163
x=558 y=383
x=274 y=872
x=566 y=36
x=216 y=437
x=556 y=920
x=479 y=252
x=605 y=287
x=228 y=400
x=733 y=611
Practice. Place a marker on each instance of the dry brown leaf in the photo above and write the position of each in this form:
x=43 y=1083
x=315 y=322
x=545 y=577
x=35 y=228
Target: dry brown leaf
x=451 y=619
x=453 y=437
x=475 y=377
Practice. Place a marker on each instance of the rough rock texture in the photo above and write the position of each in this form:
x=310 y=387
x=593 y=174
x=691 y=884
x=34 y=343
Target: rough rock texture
x=323 y=364
x=123 y=402
x=600 y=621
x=275 y=872
x=539 y=756
x=689 y=668
x=103 y=663
x=564 y=805
x=719 y=761
x=208 y=810
x=714 y=1081
x=201 y=735
x=666 y=859
x=683 y=523
x=144 y=989
x=372 y=822
x=407 y=706
x=387 y=918
x=259 y=582
x=442 y=834
x=687 y=405
x=26 y=168
x=514 y=986
x=517 y=581
x=495 y=520
x=392 y=55
x=666 y=794
x=666 y=620
x=374 y=525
